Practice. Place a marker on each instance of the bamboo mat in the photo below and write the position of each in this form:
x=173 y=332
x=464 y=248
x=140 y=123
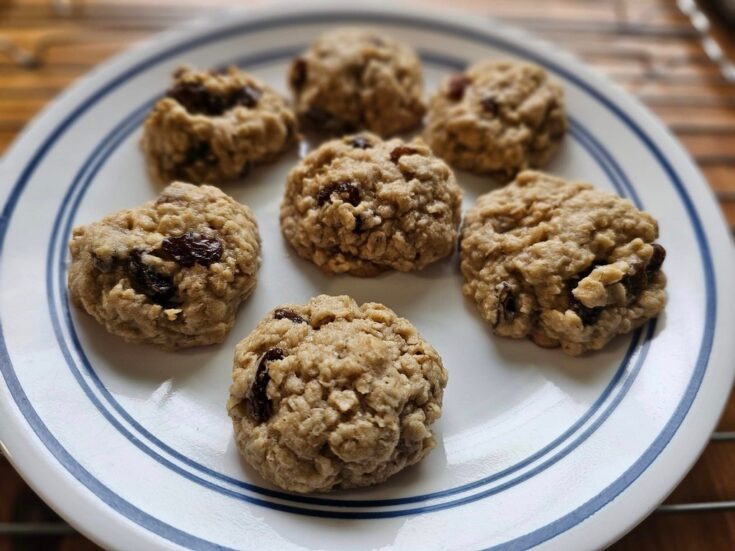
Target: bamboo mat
x=651 y=47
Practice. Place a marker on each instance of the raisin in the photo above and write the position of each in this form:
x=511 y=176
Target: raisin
x=261 y=407
x=507 y=304
x=584 y=273
x=325 y=194
x=247 y=96
x=358 y=225
x=159 y=288
x=557 y=133
x=298 y=73
x=634 y=284
x=400 y=151
x=573 y=281
x=457 y=85
x=199 y=151
x=191 y=248
x=586 y=314
x=196 y=99
x=489 y=105
x=358 y=142
x=656 y=260
x=281 y=313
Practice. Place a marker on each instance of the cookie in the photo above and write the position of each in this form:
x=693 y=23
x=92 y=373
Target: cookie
x=561 y=262
x=334 y=395
x=212 y=127
x=353 y=79
x=171 y=272
x=497 y=118
x=361 y=205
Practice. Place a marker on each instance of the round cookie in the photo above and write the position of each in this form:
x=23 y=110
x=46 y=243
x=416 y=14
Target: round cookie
x=562 y=263
x=170 y=272
x=362 y=205
x=334 y=395
x=497 y=118
x=353 y=79
x=212 y=127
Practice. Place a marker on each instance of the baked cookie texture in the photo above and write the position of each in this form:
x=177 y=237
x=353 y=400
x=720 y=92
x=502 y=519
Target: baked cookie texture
x=334 y=395
x=171 y=272
x=497 y=118
x=361 y=205
x=561 y=262
x=352 y=79
x=212 y=127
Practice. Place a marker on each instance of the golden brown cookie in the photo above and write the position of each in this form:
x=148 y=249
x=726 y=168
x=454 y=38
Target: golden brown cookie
x=170 y=272
x=362 y=205
x=353 y=79
x=334 y=395
x=561 y=262
x=498 y=117
x=212 y=127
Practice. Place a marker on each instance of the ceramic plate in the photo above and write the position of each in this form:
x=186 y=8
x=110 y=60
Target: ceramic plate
x=133 y=445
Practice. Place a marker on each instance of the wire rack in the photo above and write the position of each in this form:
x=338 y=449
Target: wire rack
x=667 y=53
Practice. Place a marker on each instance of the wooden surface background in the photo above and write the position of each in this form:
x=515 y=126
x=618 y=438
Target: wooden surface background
x=648 y=46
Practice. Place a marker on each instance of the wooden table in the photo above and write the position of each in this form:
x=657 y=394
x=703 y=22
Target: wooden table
x=648 y=46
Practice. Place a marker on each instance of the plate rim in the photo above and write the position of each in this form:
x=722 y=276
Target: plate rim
x=157 y=43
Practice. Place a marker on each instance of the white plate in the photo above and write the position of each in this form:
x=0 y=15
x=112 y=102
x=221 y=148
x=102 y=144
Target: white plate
x=133 y=445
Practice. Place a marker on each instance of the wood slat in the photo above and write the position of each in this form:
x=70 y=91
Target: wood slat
x=718 y=88
x=6 y=138
x=703 y=482
x=729 y=210
x=721 y=179
x=710 y=144
x=681 y=532
x=594 y=12
x=727 y=423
